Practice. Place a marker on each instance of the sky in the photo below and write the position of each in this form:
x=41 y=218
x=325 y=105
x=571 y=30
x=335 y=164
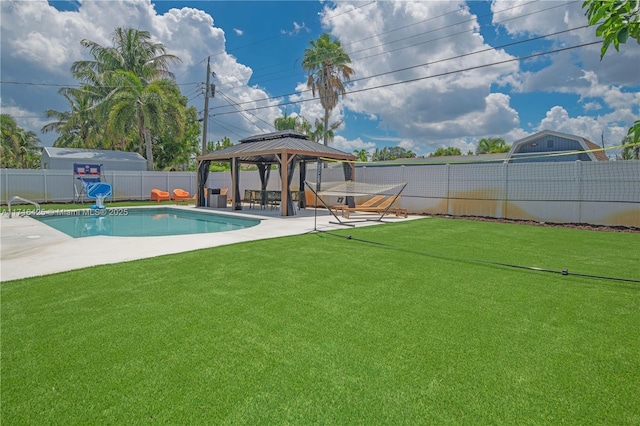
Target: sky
x=428 y=74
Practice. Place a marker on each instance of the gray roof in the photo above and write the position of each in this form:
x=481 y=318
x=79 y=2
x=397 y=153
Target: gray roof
x=264 y=148
x=92 y=154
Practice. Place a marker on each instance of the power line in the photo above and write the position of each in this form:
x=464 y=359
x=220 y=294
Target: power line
x=235 y=106
x=259 y=81
x=429 y=77
x=428 y=63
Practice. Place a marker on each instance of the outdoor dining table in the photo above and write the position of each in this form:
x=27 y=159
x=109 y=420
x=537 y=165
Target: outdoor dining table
x=266 y=197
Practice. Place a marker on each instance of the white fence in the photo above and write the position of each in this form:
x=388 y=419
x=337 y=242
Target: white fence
x=602 y=193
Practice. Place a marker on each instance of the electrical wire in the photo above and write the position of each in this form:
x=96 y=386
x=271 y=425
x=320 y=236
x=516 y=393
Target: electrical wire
x=365 y=89
x=431 y=63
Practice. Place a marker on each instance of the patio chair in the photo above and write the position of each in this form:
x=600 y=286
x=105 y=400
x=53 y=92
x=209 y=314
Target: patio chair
x=371 y=202
x=384 y=207
x=158 y=195
x=181 y=195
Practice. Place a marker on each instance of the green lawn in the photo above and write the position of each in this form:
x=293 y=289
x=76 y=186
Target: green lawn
x=319 y=328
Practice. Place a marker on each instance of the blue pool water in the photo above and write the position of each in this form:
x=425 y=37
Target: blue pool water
x=146 y=222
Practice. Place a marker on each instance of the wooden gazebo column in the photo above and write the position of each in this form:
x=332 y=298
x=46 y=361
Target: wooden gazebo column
x=284 y=182
x=285 y=159
x=235 y=176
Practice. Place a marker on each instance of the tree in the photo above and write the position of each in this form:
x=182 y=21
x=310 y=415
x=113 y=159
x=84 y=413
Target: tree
x=391 y=153
x=362 y=154
x=147 y=108
x=445 y=151
x=221 y=144
x=619 y=20
x=327 y=65
x=79 y=127
x=286 y=122
x=319 y=134
x=132 y=51
x=171 y=152
x=19 y=148
x=133 y=64
x=631 y=151
x=492 y=146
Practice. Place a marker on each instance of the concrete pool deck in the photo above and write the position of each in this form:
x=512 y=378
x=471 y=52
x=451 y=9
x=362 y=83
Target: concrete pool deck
x=29 y=248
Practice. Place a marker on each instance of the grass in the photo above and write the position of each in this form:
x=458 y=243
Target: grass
x=319 y=328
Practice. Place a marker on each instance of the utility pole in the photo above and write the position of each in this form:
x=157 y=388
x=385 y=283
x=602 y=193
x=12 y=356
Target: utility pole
x=209 y=92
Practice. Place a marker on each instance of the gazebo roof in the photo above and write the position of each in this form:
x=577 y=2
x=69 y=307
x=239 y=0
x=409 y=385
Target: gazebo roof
x=265 y=149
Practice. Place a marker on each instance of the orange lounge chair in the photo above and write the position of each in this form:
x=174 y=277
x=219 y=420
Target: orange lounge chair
x=157 y=195
x=181 y=195
x=383 y=207
x=371 y=202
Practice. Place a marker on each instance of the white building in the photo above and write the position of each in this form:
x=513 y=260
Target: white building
x=65 y=158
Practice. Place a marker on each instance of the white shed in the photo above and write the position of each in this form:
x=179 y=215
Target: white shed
x=64 y=158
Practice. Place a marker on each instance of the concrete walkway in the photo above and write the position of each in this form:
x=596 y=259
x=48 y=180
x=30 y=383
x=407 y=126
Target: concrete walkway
x=30 y=248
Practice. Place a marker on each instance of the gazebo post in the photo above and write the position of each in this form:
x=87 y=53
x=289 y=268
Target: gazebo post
x=284 y=181
x=235 y=177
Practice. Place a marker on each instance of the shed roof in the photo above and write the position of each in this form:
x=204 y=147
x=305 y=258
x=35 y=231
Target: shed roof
x=265 y=148
x=595 y=152
x=93 y=154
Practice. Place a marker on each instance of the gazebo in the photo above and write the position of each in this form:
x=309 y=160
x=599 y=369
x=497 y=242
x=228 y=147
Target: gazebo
x=286 y=149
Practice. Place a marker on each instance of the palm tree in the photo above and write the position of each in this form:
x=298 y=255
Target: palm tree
x=326 y=62
x=133 y=51
x=137 y=63
x=319 y=133
x=78 y=128
x=492 y=146
x=19 y=148
x=286 y=122
x=362 y=154
x=145 y=108
x=630 y=151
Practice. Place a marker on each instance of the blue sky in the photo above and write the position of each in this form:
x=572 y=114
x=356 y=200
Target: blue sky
x=256 y=49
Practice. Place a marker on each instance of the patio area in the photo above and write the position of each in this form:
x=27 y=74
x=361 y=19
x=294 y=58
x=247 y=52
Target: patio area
x=29 y=248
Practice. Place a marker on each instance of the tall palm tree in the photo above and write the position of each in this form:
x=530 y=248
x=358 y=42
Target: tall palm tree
x=132 y=51
x=136 y=62
x=327 y=65
x=145 y=108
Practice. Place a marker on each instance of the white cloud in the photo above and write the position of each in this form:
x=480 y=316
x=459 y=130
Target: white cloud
x=296 y=29
x=431 y=109
x=40 y=43
x=343 y=144
x=592 y=128
x=238 y=32
x=592 y=106
x=518 y=18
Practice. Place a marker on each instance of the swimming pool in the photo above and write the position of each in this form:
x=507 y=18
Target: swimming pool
x=145 y=222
